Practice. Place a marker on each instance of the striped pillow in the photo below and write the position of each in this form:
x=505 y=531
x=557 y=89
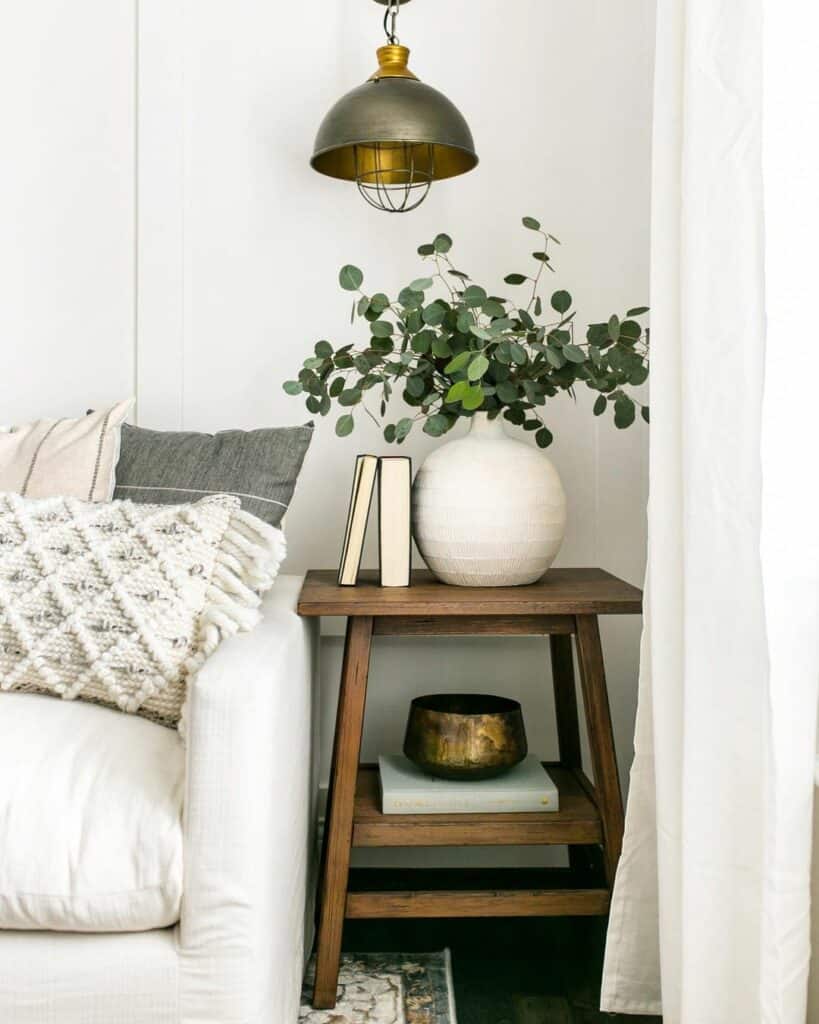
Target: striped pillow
x=69 y=458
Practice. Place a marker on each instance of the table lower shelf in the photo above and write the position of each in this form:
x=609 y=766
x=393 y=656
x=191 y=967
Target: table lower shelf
x=378 y=893
x=577 y=821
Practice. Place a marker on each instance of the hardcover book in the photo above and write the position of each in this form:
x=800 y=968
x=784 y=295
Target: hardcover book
x=394 y=539
x=405 y=789
x=366 y=470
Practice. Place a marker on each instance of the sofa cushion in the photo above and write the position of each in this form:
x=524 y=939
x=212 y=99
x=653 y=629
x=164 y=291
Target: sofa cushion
x=72 y=458
x=90 y=818
x=260 y=467
x=120 y=603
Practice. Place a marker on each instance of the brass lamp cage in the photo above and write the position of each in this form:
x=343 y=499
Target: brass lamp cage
x=394 y=135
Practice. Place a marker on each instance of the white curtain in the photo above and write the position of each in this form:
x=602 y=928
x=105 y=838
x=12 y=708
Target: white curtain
x=710 y=917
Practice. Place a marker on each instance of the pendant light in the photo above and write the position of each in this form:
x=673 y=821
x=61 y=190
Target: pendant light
x=394 y=136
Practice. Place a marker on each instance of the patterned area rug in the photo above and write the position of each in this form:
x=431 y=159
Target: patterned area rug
x=387 y=988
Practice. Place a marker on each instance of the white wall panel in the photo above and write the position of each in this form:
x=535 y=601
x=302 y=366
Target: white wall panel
x=66 y=205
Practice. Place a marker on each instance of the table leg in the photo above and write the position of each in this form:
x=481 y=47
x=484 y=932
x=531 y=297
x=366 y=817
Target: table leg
x=340 y=807
x=581 y=858
x=601 y=739
x=568 y=730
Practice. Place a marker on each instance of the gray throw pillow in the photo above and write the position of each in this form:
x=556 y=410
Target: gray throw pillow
x=260 y=467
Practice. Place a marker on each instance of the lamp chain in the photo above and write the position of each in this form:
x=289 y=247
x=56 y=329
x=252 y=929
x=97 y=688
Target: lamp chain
x=391 y=16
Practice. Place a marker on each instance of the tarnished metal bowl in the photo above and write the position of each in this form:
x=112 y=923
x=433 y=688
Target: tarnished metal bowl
x=465 y=735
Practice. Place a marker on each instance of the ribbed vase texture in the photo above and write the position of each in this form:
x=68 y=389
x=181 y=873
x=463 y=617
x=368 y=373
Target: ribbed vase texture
x=488 y=511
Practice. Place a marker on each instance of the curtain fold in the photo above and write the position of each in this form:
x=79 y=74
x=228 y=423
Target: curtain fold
x=709 y=920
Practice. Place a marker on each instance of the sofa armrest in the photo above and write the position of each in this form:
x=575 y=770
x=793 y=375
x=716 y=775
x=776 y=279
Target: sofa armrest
x=249 y=818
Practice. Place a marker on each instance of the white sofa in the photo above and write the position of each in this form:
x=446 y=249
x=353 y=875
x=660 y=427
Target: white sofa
x=237 y=866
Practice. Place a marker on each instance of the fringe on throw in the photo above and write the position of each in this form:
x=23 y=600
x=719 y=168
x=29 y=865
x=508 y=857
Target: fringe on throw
x=246 y=565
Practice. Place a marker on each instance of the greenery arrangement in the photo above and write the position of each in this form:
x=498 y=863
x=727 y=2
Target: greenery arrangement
x=467 y=351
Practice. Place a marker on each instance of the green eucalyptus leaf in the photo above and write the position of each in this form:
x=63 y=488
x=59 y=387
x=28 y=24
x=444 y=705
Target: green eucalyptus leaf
x=379 y=302
x=645 y=414
x=624 y=412
x=402 y=428
x=389 y=433
x=480 y=332
x=323 y=349
x=459 y=274
x=574 y=354
x=427 y=249
x=422 y=342
x=555 y=357
x=531 y=425
x=474 y=296
x=531 y=223
x=544 y=437
x=538 y=306
x=515 y=414
x=526 y=320
x=440 y=347
x=350 y=278
x=477 y=368
x=420 y=284
x=638 y=375
x=500 y=325
x=344 y=425
x=561 y=301
x=493 y=308
x=515 y=278
x=416 y=386
x=292 y=387
x=464 y=323
x=614 y=327
x=637 y=311
x=518 y=353
x=350 y=396
x=442 y=243
x=436 y=425
x=542 y=256
x=457 y=392
x=433 y=314
x=381 y=329
x=410 y=299
x=630 y=331
x=599 y=406
x=413 y=321
x=336 y=387
x=458 y=363
x=313 y=404
x=507 y=391
x=473 y=399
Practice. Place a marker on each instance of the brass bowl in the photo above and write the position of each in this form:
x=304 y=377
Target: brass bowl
x=465 y=735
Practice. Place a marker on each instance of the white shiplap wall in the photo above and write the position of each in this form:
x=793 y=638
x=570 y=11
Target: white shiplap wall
x=163 y=234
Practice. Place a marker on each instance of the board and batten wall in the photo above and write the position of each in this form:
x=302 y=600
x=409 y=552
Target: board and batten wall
x=162 y=234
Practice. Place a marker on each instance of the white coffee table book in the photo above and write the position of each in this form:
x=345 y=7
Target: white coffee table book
x=405 y=789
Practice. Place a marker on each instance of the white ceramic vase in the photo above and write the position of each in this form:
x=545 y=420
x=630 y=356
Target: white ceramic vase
x=488 y=511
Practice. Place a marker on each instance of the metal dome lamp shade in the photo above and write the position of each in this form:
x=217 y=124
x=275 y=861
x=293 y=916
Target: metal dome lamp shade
x=394 y=135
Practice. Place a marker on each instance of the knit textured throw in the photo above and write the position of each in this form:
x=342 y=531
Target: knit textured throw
x=119 y=603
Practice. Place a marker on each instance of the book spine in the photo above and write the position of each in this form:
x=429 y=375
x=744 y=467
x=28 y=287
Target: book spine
x=523 y=804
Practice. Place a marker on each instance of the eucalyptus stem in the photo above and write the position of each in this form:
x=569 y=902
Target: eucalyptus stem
x=465 y=351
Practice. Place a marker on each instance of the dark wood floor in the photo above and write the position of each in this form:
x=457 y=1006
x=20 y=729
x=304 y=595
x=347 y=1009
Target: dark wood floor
x=508 y=971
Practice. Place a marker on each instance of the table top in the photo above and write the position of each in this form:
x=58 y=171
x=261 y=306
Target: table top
x=558 y=592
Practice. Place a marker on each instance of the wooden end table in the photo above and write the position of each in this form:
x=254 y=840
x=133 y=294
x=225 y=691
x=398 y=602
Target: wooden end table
x=562 y=605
